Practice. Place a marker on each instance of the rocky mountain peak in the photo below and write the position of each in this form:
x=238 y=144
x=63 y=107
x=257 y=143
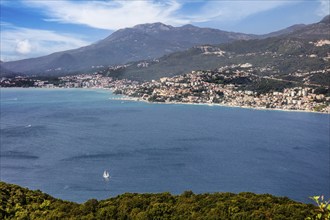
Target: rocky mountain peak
x=158 y=26
x=188 y=26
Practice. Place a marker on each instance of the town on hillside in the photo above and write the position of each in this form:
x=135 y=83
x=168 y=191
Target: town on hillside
x=235 y=85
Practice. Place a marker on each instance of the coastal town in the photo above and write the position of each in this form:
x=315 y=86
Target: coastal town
x=225 y=86
x=203 y=87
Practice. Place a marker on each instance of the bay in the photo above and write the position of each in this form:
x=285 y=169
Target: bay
x=61 y=140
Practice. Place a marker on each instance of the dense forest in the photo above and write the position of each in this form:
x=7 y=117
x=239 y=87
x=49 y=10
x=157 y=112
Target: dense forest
x=21 y=203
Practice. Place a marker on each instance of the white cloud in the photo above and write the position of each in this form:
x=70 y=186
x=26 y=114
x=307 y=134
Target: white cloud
x=324 y=8
x=110 y=15
x=23 y=46
x=20 y=43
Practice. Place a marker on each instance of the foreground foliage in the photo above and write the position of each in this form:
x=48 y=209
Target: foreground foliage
x=323 y=208
x=21 y=203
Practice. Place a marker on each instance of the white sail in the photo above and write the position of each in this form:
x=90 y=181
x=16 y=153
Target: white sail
x=106 y=174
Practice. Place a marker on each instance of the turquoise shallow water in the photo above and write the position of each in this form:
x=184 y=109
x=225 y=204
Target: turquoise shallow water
x=61 y=141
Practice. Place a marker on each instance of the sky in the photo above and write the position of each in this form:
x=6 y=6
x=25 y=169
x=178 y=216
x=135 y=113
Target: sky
x=32 y=28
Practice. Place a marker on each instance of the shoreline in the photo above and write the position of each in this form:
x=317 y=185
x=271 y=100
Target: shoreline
x=136 y=99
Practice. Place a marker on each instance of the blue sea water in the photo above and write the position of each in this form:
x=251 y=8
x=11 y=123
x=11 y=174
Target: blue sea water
x=60 y=141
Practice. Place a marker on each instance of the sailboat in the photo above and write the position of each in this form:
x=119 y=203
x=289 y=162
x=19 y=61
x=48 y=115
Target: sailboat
x=106 y=174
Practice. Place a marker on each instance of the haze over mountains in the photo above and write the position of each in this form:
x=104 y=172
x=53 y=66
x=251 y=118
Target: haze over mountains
x=147 y=41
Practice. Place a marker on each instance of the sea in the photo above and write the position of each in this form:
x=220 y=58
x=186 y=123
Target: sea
x=62 y=140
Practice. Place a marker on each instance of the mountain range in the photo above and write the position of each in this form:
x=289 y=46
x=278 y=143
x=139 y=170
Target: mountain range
x=290 y=55
x=147 y=42
x=144 y=41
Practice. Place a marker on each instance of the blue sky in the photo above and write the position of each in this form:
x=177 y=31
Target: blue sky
x=32 y=28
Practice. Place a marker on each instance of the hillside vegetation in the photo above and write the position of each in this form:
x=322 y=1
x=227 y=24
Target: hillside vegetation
x=21 y=203
x=278 y=57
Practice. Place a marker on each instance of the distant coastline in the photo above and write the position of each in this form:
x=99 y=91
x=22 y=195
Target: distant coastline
x=137 y=99
x=128 y=98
